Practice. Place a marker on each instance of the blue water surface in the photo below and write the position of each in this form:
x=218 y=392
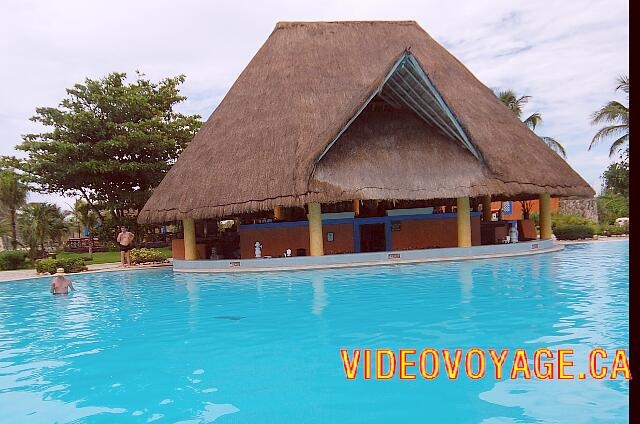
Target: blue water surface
x=154 y=346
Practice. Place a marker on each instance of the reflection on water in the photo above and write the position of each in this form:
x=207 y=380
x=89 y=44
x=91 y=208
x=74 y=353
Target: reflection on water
x=319 y=294
x=151 y=346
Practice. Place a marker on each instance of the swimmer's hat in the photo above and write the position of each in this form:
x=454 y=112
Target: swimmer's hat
x=60 y=271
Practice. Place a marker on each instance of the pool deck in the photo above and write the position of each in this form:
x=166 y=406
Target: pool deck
x=368 y=259
x=29 y=274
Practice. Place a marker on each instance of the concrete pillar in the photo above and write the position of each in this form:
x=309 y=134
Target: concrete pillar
x=278 y=213
x=356 y=207
x=189 y=228
x=486 y=208
x=464 y=222
x=315 y=230
x=545 y=216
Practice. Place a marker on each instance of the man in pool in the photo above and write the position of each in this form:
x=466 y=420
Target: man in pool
x=125 y=240
x=61 y=284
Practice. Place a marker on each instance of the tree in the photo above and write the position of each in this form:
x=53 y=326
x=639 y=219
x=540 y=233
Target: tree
x=616 y=115
x=87 y=218
x=516 y=104
x=615 y=178
x=612 y=206
x=40 y=223
x=109 y=142
x=13 y=195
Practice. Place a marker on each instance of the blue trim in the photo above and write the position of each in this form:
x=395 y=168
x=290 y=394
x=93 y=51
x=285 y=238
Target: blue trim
x=356 y=221
x=356 y=236
x=387 y=236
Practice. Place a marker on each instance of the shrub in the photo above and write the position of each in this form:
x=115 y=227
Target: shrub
x=69 y=265
x=12 y=259
x=573 y=232
x=562 y=220
x=614 y=230
x=144 y=255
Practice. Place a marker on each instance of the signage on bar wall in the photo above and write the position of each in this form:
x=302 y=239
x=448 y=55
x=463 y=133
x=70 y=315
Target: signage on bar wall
x=507 y=207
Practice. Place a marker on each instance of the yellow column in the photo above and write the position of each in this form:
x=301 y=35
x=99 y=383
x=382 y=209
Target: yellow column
x=315 y=230
x=277 y=213
x=486 y=208
x=464 y=222
x=189 y=227
x=545 y=216
x=356 y=207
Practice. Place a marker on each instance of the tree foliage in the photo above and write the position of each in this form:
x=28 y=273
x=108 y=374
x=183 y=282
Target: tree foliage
x=616 y=115
x=612 y=206
x=615 y=178
x=13 y=195
x=39 y=224
x=516 y=104
x=84 y=216
x=109 y=141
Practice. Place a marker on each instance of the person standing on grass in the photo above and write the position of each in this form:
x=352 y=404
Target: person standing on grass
x=125 y=240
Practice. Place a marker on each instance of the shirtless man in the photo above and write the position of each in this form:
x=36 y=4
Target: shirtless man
x=61 y=284
x=125 y=239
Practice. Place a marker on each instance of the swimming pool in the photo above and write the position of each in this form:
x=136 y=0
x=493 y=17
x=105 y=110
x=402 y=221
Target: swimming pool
x=154 y=346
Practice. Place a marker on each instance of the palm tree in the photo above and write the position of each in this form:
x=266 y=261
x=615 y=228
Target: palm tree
x=86 y=217
x=616 y=115
x=516 y=104
x=40 y=223
x=13 y=195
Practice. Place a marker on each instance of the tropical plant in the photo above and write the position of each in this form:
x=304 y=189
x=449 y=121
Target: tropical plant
x=87 y=218
x=616 y=177
x=40 y=223
x=612 y=206
x=12 y=259
x=573 y=232
x=51 y=265
x=516 y=104
x=616 y=115
x=109 y=141
x=144 y=255
x=13 y=195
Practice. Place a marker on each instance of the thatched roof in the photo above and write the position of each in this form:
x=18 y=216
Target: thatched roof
x=331 y=111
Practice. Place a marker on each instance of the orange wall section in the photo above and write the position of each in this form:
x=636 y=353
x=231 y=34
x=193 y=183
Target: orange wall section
x=177 y=249
x=431 y=233
x=516 y=208
x=275 y=241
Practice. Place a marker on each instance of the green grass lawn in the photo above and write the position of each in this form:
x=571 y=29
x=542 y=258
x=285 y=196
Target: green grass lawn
x=102 y=257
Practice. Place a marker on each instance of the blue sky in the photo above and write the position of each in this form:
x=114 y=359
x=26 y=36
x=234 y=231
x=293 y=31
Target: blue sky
x=565 y=54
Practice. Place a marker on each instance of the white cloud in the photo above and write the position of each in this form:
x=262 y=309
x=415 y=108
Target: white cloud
x=566 y=54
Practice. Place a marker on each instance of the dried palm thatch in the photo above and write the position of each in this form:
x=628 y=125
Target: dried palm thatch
x=318 y=115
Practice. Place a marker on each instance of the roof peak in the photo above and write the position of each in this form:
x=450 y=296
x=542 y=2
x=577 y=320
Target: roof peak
x=292 y=24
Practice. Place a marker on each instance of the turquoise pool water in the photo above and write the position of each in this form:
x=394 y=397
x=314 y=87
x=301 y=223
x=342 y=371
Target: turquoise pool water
x=151 y=346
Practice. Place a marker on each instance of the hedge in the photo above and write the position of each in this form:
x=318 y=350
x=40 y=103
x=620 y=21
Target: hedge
x=573 y=232
x=615 y=230
x=69 y=264
x=144 y=255
x=12 y=259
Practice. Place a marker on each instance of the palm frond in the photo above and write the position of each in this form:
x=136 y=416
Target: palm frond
x=610 y=131
x=512 y=101
x=623 y=83
x=618 y=144
x=555 y=145
x=612 y=112
x=533 y=121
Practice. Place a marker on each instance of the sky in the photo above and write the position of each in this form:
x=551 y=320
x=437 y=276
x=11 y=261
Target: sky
x=565 y=54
